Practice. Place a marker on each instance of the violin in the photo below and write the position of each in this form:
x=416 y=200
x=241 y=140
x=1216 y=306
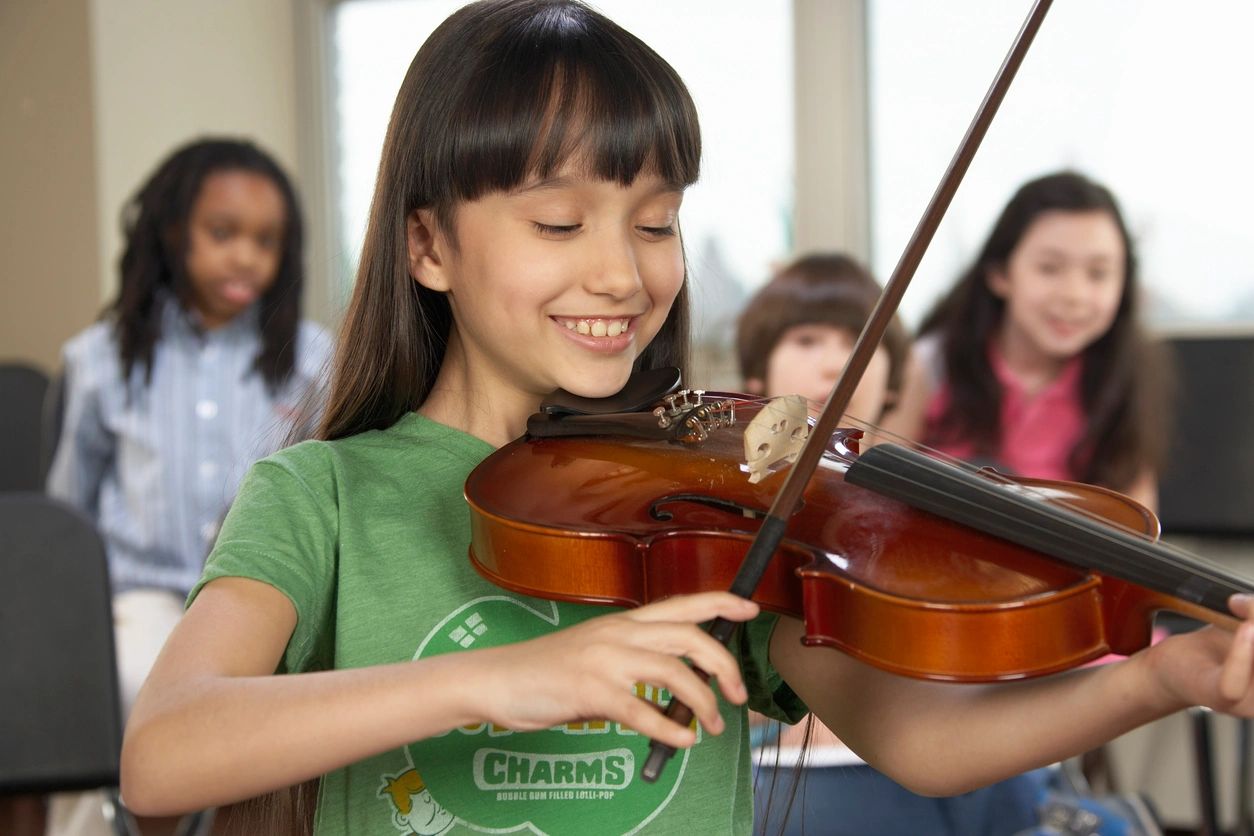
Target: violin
x=898 y=559
x=906 y=562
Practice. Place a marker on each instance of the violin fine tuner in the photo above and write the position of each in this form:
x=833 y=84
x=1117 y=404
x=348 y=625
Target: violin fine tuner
x=692 y=416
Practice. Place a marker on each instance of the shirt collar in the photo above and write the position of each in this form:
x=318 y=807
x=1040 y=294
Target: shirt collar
x=177 y=320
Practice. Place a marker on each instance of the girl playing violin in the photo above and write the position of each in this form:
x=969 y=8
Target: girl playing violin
x=1036 y=362
x=524 y=237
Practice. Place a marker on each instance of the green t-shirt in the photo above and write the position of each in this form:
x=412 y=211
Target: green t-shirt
x=368 y=537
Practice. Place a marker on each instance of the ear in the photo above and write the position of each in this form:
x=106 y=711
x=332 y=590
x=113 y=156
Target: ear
x=754 y=386
x=998 y=284
x=426 y=251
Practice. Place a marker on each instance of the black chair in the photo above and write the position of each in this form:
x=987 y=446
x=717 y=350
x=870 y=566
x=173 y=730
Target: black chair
x=23 y=389
x=1204 y=493
x=60 y=717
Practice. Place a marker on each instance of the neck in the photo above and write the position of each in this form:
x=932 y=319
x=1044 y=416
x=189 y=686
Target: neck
x=466 y=400
x=1032 y=367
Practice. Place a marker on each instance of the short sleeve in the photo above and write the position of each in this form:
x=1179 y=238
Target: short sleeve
x=769 y=694
x=282 y=530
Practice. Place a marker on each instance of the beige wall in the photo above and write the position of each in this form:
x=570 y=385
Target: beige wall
x=48 y=230
x=92 y=94
x=167 y=72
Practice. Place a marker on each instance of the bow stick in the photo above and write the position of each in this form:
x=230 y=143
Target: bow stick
x=769 y=536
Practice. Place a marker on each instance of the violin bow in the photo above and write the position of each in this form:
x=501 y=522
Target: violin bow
x=771 y=534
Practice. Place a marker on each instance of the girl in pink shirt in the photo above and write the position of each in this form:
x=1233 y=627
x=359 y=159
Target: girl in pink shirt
x=1036 y=362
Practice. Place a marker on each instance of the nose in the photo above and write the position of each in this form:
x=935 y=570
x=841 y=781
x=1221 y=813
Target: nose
x=615 y=271
x=1076 y=286
x=246 y=255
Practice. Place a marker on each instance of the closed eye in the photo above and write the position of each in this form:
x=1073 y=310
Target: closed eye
x=555 y=229
x=658 y=231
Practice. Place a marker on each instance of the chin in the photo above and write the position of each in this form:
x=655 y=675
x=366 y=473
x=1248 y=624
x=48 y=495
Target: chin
x=600 y=384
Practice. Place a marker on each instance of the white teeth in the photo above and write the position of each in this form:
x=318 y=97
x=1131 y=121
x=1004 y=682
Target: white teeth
x=597 y=327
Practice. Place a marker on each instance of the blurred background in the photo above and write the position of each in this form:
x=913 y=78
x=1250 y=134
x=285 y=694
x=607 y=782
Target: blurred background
x=827 y=124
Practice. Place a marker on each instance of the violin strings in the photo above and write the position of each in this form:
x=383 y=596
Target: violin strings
x=1182 y=567
x=1158 y=565
x=1165 y=566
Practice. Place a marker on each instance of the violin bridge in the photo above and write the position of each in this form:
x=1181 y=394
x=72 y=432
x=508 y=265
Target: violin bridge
x=776 y=435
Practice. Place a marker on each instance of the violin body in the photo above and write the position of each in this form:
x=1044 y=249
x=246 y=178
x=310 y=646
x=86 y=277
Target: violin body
x=625 y=521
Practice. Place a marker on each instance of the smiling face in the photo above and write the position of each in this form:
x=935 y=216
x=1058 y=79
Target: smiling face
x=234 y=243
x=1061 y=286
x=560 y=283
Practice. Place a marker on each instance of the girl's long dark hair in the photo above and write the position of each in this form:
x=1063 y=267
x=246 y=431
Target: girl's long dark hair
x=1125 y=378
x=502 y=91
x=154 y=262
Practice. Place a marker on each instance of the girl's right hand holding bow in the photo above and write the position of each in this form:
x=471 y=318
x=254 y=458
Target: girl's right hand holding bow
x=587 y=672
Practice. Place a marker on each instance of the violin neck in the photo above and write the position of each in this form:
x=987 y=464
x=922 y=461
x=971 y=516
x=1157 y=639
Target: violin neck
x=1010 y=512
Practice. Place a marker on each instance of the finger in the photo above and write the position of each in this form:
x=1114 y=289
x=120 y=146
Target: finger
x=697 y=608
x=645 y=718
x=1234 y=678
x=1241 y=605
x=698 y=647
x=684 y=685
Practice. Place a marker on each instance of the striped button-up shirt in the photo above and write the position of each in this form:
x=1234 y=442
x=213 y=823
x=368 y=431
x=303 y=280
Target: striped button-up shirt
x=157 y=469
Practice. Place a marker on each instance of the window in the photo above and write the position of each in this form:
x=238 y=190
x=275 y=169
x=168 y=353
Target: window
x=1137 y=94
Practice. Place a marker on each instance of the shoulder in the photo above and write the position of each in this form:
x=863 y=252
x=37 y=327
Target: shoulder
x=317 y=462
x=94 y=338
x=91 y=354
x=306 y=464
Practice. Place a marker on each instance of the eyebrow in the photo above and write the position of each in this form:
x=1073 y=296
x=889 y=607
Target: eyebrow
x=1053 y=252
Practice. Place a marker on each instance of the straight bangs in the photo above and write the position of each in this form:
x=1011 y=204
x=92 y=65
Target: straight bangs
x=567 y=85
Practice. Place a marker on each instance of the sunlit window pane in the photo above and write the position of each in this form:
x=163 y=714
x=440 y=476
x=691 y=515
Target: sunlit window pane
x=1143 y=95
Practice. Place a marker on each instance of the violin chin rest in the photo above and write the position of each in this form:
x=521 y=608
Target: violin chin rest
x=642 y=392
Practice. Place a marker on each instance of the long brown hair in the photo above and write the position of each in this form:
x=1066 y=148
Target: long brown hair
x=502 y=91
x=1124 y=384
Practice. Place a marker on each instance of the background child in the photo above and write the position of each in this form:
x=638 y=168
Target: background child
x=193 y=372
x=1036 y=361
x=797 y=332
x=524 y=238
x=794 y=337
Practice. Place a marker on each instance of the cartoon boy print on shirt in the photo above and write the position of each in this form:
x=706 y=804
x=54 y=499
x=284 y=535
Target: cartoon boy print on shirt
x=415 y=810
